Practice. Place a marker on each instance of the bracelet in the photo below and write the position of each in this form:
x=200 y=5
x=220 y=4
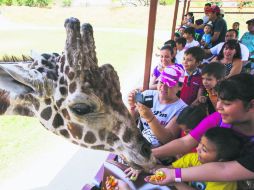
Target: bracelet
x=178 y=175
x=151 y=119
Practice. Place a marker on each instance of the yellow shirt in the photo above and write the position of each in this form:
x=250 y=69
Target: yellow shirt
x=190 y=160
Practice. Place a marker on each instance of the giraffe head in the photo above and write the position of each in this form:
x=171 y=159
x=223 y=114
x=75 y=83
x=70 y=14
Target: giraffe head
x=75 y=98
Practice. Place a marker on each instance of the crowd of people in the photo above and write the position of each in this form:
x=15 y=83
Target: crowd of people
x=201 y=122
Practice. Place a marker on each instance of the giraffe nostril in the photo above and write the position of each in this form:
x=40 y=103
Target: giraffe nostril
x=82 y=109
x=146 y=150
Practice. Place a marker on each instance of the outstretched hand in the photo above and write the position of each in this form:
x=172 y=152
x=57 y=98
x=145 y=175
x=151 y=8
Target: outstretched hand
x=167 y=179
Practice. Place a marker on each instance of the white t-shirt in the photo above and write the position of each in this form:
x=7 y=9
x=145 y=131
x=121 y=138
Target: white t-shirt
x=191 y=44
x=244 y=50
x=179 y=56
x=163 y=112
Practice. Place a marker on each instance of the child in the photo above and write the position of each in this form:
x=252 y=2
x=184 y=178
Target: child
x=190 y=117
x=189 y=35
x=200 y=31
x=206 y=41
x=192 y=86
x=180 y=44
x=212 y=73
x=217 y=144
x=188 y=19
x=236 y=26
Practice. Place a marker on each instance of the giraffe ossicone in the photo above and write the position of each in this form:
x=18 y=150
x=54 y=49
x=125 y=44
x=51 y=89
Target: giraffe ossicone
x=75 y=98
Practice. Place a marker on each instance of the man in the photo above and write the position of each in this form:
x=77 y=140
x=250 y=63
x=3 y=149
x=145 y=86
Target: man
x=219 y=25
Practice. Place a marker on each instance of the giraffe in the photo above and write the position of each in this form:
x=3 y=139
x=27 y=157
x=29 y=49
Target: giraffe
x=75 y=98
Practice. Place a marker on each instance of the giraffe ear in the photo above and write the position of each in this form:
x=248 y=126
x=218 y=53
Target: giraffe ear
x=26 y=78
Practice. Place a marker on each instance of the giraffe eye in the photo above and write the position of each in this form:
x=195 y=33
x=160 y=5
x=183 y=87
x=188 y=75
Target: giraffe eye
x=82 y=109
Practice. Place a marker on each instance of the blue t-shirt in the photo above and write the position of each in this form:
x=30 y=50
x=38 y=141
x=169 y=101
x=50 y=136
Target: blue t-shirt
x=248 y=40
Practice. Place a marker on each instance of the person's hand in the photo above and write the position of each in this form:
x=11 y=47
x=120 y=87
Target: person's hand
x=116 y=185
x=202 y=99
x=132 y=173
x=144 y=112
x=131 y=99
x=168 y=180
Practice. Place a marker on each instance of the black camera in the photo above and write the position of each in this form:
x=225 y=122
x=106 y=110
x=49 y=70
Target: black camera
x=145 y=100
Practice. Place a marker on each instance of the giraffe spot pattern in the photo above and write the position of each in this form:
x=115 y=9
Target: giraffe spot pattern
x=90 y=137
x=75 y=130
x=102 y=134
x=46 y=113
x=127 y=136
x=63 y=90
x=61 y=81
x=111 y=138
x=47 y=101
x=57 y=121
x=59 y=102
x=98 y=147
x=66 y=114
x=65 y=133
x=23 y=110
x=71 y=75
x=5 y=101
x=33 y=100
x=67 y=70
x=72 y=87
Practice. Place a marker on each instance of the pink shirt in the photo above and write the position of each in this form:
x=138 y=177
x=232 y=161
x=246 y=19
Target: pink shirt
x=210 y=121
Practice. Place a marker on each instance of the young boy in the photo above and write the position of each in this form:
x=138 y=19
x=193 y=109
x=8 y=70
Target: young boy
x=189 y=35
x=217 y=144
x=206 y=40
x=180 y=46
x=192 y=87
x=212 y=73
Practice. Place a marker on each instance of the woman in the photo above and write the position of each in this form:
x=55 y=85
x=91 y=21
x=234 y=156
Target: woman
x=230 y=56
x=167 y=57
x=166 y=107
x=236 y=111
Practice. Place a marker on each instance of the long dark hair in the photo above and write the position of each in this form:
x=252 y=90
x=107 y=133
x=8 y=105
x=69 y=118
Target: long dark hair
x=231 y=44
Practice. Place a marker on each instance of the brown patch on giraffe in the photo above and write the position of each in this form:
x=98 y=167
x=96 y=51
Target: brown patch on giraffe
x=127 y=136
x=71 y=75
x=84 y=145
x=102 y=134
x=58 y=121
x=62 y=67
x=90 y=137
x=98 y=147
x=72 y=87
x=63 y=90
x=61 y=81
x=117 y=127
x=65 y=133
x=47 y=101
x=75 y=130
x=66 y=114
x=33 y=100
x=67 y=70
x=59 y=102
x=74 y=142
x=111 y=138
x=23 y=110
x=46 y=113
x=5 y=101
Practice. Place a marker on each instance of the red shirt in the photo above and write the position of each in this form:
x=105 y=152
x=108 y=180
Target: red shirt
x=190 y=87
